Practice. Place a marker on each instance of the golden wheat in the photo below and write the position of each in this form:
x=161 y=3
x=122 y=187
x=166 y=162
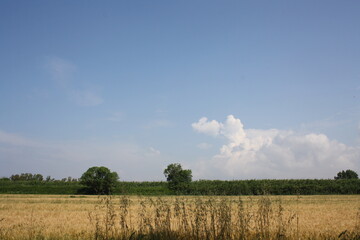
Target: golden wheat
x=120 y=217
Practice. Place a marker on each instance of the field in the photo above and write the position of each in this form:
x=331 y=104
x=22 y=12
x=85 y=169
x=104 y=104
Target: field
x=199 y=187
x=179 y=217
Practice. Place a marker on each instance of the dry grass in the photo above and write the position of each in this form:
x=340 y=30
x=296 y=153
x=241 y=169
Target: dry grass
x=90 y=217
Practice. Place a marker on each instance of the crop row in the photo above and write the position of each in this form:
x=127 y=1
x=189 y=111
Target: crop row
x=200 y=187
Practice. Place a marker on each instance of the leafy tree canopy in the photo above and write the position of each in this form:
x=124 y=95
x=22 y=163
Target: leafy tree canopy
x=348 y=174
x=99 y=180
x=27 y=177
x=178 y=178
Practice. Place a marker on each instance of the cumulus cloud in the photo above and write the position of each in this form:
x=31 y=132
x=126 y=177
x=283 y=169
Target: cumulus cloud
x=273 y=153
x=207 y=127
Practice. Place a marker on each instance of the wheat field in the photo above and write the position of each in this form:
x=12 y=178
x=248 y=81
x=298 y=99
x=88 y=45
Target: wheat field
x=179 y=217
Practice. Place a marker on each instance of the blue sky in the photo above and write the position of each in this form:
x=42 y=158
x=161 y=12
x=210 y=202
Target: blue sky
x=231 y=90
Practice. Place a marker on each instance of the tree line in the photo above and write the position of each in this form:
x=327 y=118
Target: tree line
x=101 y=180
x=37 y=178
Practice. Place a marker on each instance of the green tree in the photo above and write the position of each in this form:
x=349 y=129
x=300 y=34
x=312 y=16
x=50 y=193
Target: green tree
x=348 y=174
x=178 y=179
x=27 y=177
x=99 y=180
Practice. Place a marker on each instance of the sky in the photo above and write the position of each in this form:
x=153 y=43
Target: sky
x=229 y=89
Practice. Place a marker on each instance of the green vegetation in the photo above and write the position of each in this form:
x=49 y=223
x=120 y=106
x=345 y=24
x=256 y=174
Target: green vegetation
x=29 y=187
x=27 y=177
x=99 y=181
x=178 y=179
x=348 y=174
x=276 y=187
x=201 y=187
x=143 y=188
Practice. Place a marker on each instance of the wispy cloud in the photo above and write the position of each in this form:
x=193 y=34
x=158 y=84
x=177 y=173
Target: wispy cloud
x=17 y=140
x=62 y=72
x=71 y=158
x=86 y=98
x=154 y=151
x=339 y=119
x=274 y=153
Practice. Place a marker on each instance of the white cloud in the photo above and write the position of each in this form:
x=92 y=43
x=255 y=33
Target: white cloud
x=154 y=151
x=207 y=127
x=273 y=153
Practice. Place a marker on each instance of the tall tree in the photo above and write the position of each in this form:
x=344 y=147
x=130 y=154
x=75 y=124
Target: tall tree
x=178 y=179
x=348 y=174
x=99 y=180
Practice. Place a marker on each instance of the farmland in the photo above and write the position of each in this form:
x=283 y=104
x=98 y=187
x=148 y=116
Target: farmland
x=179 y=217
x=200 y=187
